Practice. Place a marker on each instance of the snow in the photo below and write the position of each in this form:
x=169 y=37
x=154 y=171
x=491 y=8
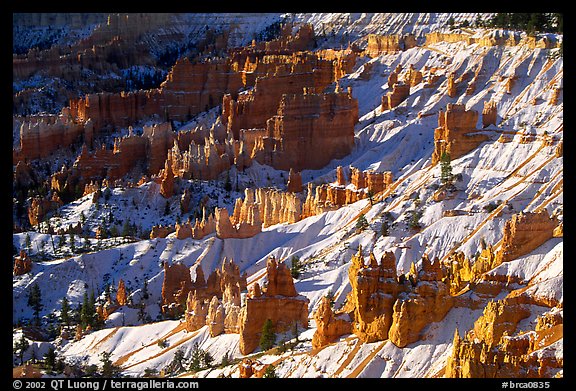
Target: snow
x=523 y=175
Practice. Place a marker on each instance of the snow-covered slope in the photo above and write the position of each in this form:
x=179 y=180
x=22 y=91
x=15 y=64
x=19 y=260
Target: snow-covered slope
x=524 y=176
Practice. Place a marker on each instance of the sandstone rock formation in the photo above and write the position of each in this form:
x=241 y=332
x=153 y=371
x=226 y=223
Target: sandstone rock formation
x=176 y=285
x=332 y=196
x=328 y=327
x=40 y=207
x=308 y=131
x=278 y=301
x=384 y=305
x=383 y=44
x=374 y=291
x=121 y=296
x=167 y=183
x=491 y=350
x=400 y=91
x=22 y=264
x=455 y=132
x=489 y=113
x=525 y=232
x=428 y=302
x=294 y=184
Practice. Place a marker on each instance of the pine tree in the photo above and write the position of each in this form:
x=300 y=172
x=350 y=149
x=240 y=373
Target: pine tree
x=296 y=267
x=268 y=337
x=108 y=368
x=65 y=312
x=35 y=301
x=270 y=372
x=50 y=359
x=28 y=243
x=446 y=177
x=361 y=223
x=20 y=348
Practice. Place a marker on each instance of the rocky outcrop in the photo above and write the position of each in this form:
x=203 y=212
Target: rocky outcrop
x=278 y=301
x=308 y=131
x=159 y=231
x=525 y=232
x=41 y=136
x=489 y=113
x=328 y=197
x=384 y=305
x=216 y=301
x=492 y=349
x=373 y=292
x=384 y=44
x=400 y=91
x=176 y=285
x=247 y=228
x=189 y=89
x=275 y=207
x=167 y=180
x=22 y=264
x=121 y=295
x=40 y=207
x=455 y=133
x=429 y=301
x=294 y=184
x=328 y=327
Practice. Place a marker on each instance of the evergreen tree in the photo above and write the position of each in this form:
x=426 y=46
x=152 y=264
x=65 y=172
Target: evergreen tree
x=65 y=312
x=270 y=372
x=361 y=223
x=20 y=348
x=50 y=359
x=145 y=294
x=268 y=337
x=446 y=177
x=28 y=243
x=35 y=301
x=370 y=195
x=88 y=311
x=126 y=231
x=72 y=243
x=108 y=368
x=296 y=267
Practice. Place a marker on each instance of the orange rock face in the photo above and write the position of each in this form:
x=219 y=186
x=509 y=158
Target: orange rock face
x=41 y=136
x=453 y=133
x=22 y=264
x=175 y=288
x=400 y=91
x=294 y=184
x=121 y=297
x=279 y=302
x=308 y=131
x=167 y=184
x=39 y=207
x=428 y=302
x=491 y=348
x=329 y=328
x=383 y=44
x=525 y=232
x=385 y=306
x=489 y=113
x=374 y=291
